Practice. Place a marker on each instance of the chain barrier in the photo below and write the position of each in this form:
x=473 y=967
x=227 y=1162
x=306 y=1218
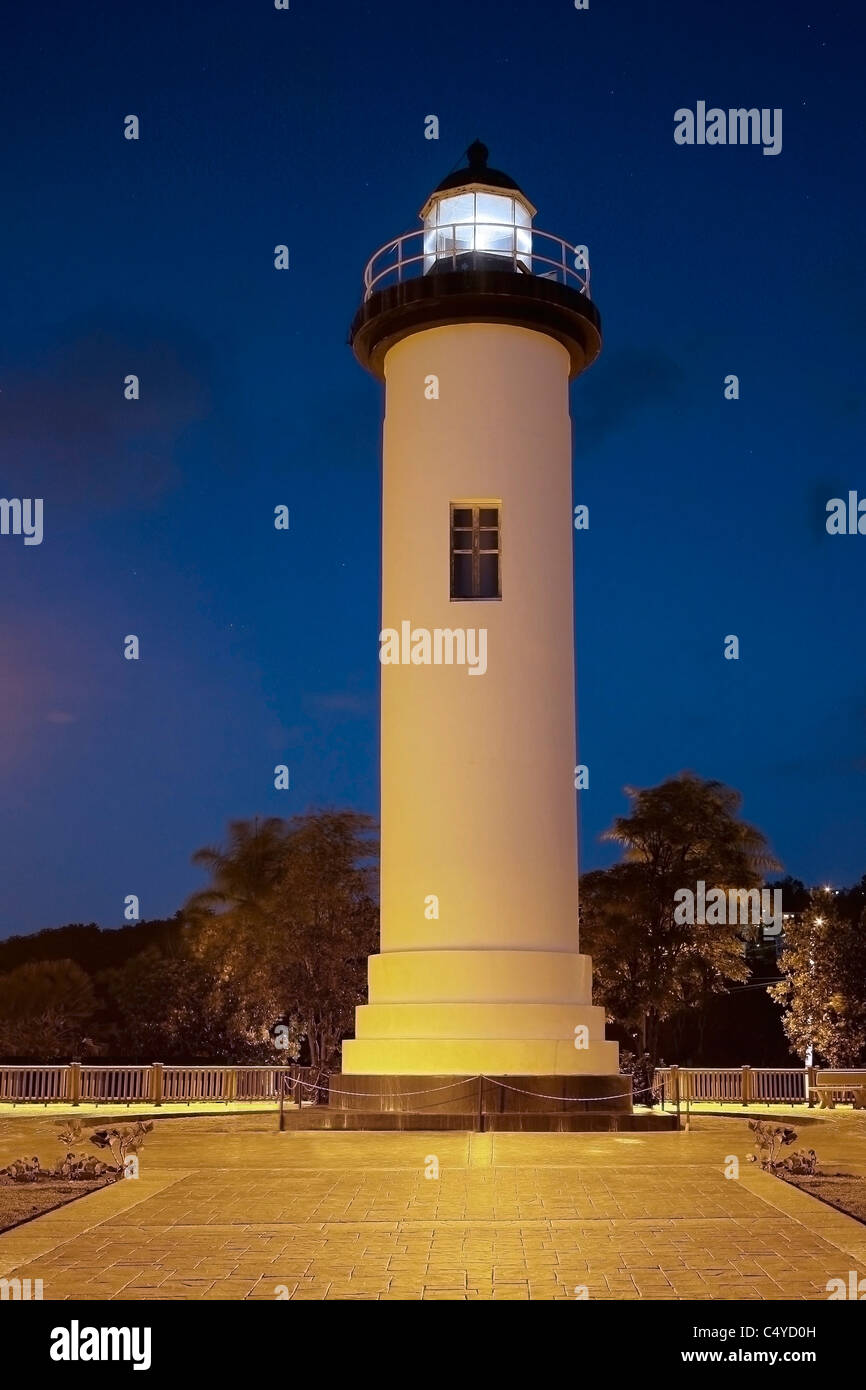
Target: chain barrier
x=431 y=1090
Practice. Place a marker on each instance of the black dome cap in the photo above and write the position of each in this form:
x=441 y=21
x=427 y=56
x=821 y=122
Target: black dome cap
x=476 y=171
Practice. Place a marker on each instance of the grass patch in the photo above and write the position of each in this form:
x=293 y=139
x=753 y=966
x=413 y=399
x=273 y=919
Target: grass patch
x=21 y=1202
x=844 y=1191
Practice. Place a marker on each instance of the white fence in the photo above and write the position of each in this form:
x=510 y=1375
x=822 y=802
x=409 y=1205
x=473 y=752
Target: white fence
x=744 y=1085
x=156 y=1084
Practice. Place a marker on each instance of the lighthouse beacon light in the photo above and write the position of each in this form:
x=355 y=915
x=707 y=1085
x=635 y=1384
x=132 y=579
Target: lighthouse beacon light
x=477 y=218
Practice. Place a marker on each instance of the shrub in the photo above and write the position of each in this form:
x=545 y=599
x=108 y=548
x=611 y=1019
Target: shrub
x=770 y=1140
x=122 y=1142
x=23 y=1170
x=72 y=1168
x=804 y=1163
x=82 y=1167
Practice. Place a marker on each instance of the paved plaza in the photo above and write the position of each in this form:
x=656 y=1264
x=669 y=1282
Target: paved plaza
x=227 y=1208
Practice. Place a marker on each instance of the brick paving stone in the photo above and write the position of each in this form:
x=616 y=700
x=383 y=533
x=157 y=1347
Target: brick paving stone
x=234 y=1215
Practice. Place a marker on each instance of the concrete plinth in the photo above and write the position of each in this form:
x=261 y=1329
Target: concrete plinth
x=323 y=1117
x=489 y=1095
x=480 y=1012
x=532 y=1104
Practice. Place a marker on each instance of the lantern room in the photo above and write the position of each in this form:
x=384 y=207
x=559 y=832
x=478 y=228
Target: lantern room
x=476 y=219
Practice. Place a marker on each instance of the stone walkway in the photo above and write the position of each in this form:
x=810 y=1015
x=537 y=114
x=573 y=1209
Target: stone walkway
x=227 y=1208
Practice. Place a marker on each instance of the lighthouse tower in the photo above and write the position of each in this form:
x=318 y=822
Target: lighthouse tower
x=476 y=323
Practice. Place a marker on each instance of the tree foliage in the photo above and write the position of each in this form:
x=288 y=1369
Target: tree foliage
x=647 y=965
x=289 y=920
x=824 y=991
x=167 y=1006
x=44 y=1007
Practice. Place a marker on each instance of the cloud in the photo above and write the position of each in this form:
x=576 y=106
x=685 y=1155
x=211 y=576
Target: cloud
x=624 y=383
x=43 y=676
x=68 y=430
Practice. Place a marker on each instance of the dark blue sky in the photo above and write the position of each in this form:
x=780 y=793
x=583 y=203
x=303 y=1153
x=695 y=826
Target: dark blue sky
x=261 y=127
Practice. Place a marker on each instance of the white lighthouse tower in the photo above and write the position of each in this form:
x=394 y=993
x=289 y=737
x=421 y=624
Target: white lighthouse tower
x=476 y=323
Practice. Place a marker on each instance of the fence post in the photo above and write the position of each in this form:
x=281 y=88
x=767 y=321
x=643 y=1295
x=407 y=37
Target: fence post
x=811 y=1079
x=675 y=1080
x=746 y=1086
x=231 y=1089
x=75 y=1082
x=156 y=1083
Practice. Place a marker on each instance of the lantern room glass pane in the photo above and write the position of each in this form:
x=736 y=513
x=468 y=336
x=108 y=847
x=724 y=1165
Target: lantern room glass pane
x=496 y=223
x=492 y=236
x=493 y=207
x=458 y=209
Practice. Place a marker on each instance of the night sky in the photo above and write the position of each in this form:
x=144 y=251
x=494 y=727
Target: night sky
x=707 y=516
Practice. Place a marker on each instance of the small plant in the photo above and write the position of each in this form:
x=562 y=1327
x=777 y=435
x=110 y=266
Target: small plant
x=770 y=1140
x=82 y=1167
x=804 y=1163
x=70 y=1132
x=23 y=1170
x=122 y=1142
x=72 y=1168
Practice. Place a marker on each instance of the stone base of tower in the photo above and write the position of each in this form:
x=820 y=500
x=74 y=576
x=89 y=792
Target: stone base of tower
x=472 y=1056
x=480 y=1012
x=493 y=1095
x=528 y=1104
x=479 y=1039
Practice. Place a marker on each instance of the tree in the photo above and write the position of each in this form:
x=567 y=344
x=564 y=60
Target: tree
x=647 y=965
x=289 y=921
x=245 y=874
x=824 y=990
x=44 y=1007
x=93 y=948
x=795 y=894
x=168 y=1006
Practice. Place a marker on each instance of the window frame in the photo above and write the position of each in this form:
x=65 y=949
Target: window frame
x=475 y=550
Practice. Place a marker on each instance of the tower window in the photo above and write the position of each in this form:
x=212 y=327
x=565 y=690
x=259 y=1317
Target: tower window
x=475 y=551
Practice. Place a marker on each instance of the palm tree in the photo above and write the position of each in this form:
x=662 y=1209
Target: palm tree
x=242 y=874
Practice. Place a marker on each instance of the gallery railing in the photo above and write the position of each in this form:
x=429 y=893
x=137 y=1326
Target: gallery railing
x=525 y=250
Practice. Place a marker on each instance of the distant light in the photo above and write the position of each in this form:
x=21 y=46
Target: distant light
x=819 y=921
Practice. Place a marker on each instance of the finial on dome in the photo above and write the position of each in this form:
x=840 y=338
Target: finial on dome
x=477 y=156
